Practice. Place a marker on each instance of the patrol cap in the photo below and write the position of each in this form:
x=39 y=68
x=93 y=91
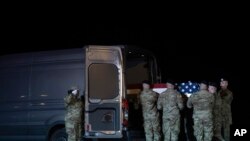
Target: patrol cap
x=204 y=82
x=146 y=82
x=73 y=88
x=212 y=84
x=170 y=81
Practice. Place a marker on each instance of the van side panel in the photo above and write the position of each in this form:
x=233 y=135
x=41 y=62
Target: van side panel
x=33 y=86
x=49 y=85
x=14 y=95
x=53 y=74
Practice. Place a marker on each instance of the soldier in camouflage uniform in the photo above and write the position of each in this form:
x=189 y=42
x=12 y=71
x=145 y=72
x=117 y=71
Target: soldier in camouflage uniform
x=73 y=117
x=171 y=103
x=226 y=99
x=202 y=102
x=212 y=88
x=148 y=99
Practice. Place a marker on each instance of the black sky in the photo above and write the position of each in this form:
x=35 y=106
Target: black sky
x=179 y=57
x=202 y=56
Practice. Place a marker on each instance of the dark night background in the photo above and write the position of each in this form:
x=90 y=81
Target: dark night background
x=206 y=54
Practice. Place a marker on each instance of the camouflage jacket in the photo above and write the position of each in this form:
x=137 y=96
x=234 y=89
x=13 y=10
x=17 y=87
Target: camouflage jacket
x=217 y=107
x=226 y=100
x=74 y=106
x=148 y=101
x=203 y=104
x=171 y=103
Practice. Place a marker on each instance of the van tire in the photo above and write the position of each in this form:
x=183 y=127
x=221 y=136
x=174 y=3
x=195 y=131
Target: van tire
x=59 y=135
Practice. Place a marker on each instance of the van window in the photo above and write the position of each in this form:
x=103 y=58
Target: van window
x=103 y=81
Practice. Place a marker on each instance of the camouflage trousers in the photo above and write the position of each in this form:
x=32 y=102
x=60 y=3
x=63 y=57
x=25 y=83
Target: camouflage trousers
x=203 y=129
x=217 y=129
x=152 y=129
x=226 y=131
x=171 y=129
x=74 y=130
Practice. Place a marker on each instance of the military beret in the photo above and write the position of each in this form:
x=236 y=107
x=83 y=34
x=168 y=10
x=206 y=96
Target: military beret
x=204 y=82
x=170 y=81
x=212 y=84
x=146 y=82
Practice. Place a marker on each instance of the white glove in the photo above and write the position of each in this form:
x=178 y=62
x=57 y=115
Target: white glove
x=74 y=92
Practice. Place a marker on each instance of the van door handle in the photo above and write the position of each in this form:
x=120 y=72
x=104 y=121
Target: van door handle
x=95 y=100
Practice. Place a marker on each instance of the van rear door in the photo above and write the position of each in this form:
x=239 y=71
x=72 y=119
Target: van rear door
x=104 y=92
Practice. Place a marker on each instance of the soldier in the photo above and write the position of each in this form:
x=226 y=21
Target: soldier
x=171 y=103
x=148 y=99
x=73 y=117
x=226 y=99
x=202 y=102
x=212 y=88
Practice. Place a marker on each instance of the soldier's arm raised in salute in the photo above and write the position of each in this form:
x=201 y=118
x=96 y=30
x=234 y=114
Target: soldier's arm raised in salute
x=68 y=99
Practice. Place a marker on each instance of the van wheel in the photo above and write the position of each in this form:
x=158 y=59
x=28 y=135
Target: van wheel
x=59 y=135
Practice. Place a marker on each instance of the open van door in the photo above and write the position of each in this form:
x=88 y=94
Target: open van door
x=104 y=92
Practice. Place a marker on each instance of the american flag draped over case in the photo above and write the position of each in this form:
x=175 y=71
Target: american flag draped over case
x=188 y=88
